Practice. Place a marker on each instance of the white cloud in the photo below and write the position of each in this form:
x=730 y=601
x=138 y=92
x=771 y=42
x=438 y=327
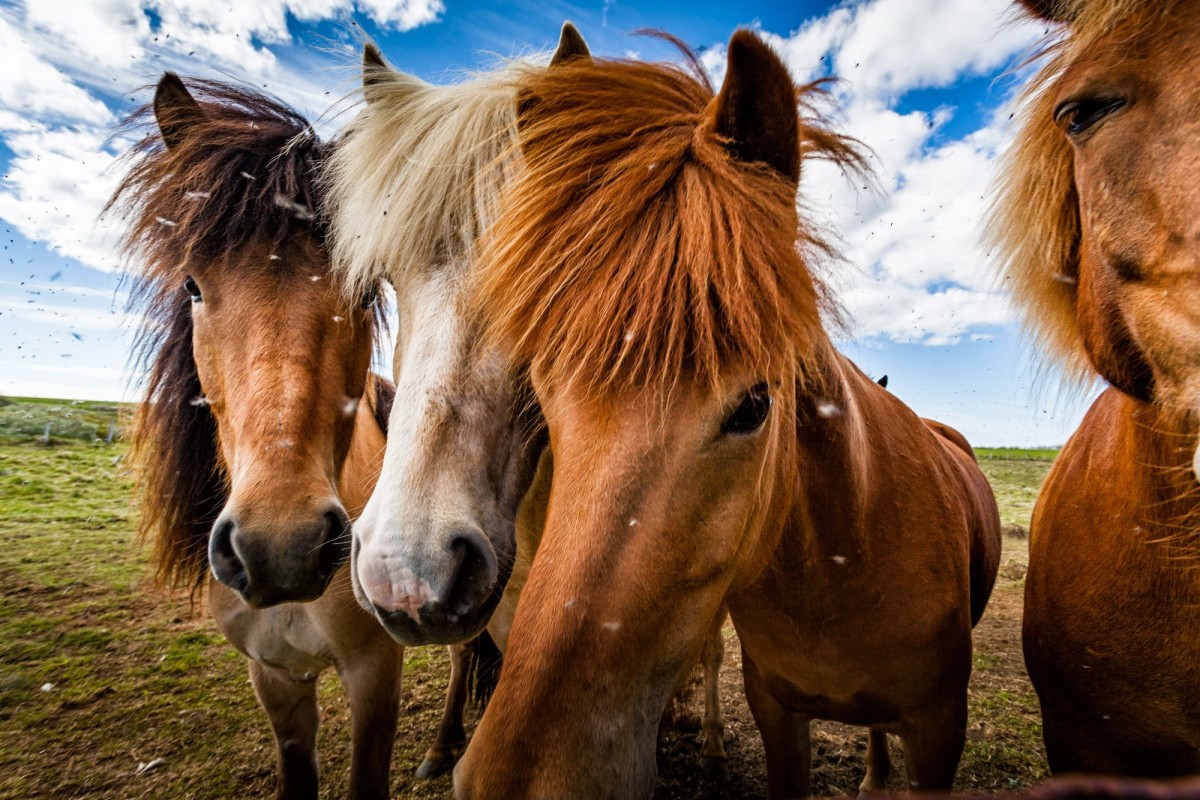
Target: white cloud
x=56 y=184
x=108 y=33
x=896 y=45
x=33 y=88
x=57 y=62
x=915 y=271
x=403 y=14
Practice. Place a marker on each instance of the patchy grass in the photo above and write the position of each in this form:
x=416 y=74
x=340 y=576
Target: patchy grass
x=24 y=419
x=1016 y=482
x=131 y=675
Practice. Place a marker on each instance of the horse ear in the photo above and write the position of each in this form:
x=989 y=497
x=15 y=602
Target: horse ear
x=570 y=45
x=175 y=109
x=1049 y=10
x=755 y=111
x=374 y=70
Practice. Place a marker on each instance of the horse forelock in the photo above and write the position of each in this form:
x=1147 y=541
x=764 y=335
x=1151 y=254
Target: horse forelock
x=416 y=175
x=1034 y=223
x=246 y=171
x=634 y=246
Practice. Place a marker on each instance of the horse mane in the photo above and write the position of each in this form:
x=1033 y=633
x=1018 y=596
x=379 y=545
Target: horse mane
x=1034 y=224
x=415 y=176
x=245 y=174
x=634 y=245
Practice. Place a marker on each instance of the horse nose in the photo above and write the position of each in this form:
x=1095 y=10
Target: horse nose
x=451 y=584
x=227 y=565
x=476 y=571
x=279 y=561
x=335 y=547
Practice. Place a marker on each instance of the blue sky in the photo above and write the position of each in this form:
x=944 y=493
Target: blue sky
x=924 y=83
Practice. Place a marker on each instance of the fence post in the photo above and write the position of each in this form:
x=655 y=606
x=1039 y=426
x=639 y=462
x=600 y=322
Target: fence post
x=45 y=436
x=112 y=429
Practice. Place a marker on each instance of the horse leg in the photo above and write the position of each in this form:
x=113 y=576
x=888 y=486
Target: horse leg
x=451 y=738
x=933 y=745
x=292 y=708
x=879 y=763
x=373 y=683
x=713 y=760
x=785 y=738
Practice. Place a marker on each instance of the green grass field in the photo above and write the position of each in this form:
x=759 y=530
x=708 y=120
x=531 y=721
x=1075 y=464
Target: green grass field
x=24 y=419
x=99 y=673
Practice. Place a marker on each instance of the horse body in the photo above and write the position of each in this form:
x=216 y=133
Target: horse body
x=1096 y=223
x=710 y=446
x=891 y=547
x=260 y=424
x=289 y=645
x=1111 y=599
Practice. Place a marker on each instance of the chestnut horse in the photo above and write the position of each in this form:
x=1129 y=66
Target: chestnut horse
x=259 y=400
x=1098 y=220
x=412 y=184
x=650 y=270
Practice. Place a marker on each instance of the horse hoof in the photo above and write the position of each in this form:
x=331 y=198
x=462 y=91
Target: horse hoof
x=433 y=767
x=715 y=770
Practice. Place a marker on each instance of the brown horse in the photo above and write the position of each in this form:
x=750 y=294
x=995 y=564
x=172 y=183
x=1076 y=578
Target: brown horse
x=1099 y=223
x=413 y=182
x=258 y=389
x=650 y=269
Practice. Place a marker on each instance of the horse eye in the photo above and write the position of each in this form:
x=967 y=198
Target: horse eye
x=191 y=288
x=368 y=298
x=750 y=414
x=1078 y=116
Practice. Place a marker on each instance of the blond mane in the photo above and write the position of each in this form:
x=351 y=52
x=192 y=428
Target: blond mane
x=634 y=245
x=414 y=177
x=1034 y=224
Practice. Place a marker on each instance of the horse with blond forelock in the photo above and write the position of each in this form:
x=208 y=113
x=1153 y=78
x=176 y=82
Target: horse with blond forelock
x=1097 y=222
x=650 y=271
x=446 y=542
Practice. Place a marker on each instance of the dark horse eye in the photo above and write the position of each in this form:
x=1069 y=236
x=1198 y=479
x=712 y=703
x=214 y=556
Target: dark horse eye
x=369 y=297
x=751 y=413
x=191 y=288
x=1078 y=116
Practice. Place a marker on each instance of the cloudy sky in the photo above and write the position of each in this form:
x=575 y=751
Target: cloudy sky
x=925 y=83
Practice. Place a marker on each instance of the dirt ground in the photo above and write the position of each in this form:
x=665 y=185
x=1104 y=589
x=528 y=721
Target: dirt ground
x=99 y=676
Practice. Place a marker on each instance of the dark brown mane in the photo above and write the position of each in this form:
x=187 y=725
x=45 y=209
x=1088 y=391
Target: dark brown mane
x=246 y=172
x=635 y=246
x=194 y=202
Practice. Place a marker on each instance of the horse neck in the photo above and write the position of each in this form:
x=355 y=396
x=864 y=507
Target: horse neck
x=1155 y=448
x=360 y=470
x=837 y=460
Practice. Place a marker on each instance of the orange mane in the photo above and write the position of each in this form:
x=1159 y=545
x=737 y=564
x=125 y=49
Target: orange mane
x=634 y=247
x=1034 y=224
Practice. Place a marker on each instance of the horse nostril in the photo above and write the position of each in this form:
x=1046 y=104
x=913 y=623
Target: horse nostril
x=476 y=571
x=335 y=548
x=226 y=565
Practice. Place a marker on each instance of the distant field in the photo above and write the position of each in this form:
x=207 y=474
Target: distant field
x=1018 y=453
x=24 y=419
x=99 y=673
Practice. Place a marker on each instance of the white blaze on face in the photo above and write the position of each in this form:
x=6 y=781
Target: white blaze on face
x=1196 y=461
x=390 y=530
